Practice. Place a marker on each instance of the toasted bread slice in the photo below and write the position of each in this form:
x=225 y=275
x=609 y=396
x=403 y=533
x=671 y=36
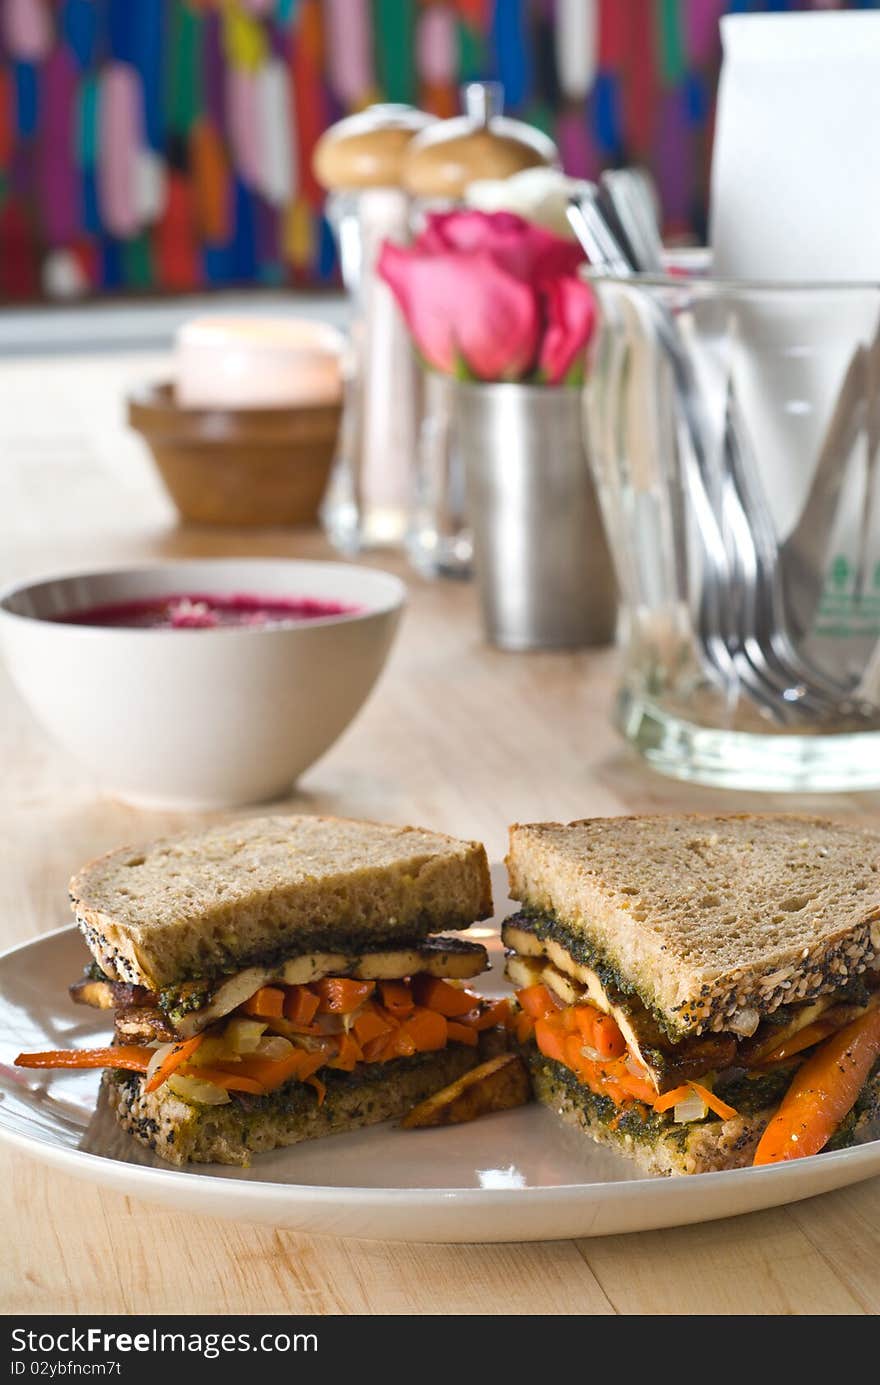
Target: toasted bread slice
x=262 y=889
x=712 y=921
x=184 y=1132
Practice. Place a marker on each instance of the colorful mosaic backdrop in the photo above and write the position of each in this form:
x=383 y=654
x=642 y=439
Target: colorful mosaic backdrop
x=165 y=144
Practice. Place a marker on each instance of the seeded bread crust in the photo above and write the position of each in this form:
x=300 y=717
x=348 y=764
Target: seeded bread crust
x=182 y=1132
x=709 y=919
x=217 y=900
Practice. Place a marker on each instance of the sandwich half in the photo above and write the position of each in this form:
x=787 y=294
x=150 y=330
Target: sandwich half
x=700 y=992
x=275 y=979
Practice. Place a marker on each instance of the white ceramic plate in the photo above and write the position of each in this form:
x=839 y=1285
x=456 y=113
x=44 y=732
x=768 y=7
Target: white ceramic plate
x=516 y=1176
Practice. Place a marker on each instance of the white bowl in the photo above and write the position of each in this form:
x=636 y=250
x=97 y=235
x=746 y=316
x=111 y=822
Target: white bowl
x=203 y=719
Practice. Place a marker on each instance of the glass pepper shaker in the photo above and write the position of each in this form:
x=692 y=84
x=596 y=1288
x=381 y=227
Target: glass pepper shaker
x=369 y=497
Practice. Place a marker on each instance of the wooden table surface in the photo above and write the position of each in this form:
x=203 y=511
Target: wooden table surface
x=456 y=737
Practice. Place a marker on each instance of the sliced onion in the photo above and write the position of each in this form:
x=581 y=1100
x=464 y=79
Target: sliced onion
x=158 y=1059
x=693 y=1108
x=591 y=1053
x=744 y=1023
x=213 y=1049
x=194 y=1089
x=243 y=1035
x=275 y=1047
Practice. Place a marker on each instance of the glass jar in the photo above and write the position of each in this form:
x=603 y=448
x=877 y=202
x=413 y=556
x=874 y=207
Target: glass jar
x=734 y=430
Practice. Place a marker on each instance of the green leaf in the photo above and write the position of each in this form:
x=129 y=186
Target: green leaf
x=576 y=375
x=462 y=371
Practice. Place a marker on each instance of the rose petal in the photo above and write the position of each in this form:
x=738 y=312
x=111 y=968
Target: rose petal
x=527 y=251
x=570 y=310
x=463 y=307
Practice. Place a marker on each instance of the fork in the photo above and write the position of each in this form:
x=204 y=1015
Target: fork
x=765 y=660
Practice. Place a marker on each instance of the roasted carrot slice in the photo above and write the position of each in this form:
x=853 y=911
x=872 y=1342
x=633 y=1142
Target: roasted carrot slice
x=667 y=1100
x=266 y=1003
x=537 y=1002
x=378 y=1049
x=607 y=1039
x=462 y=1033
x=370 y=1024
x=524 y=1027
x=585 y=1018
x=339 y=995
x=350 y=1053
x=270 y=1073
x=179 y=1054
x=550 y=1038
x=126 y=1056
x=397 y=998
x=575 y=1058
x=822 y=1092
x=319 y=1086
x=400 y=1045
x=631 y=1085
x=438 y=995
x=426 y=1028
x=486 y=1016
x=300 y=1004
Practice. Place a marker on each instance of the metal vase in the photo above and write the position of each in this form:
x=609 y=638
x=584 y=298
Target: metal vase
x=543 y=570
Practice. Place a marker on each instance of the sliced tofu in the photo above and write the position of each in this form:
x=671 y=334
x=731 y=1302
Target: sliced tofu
x=665 y=1064
x=98 y=994
x=143 y=1023
x=108 y=995
x=445 y=957
x=529 y=945
x=450 y=958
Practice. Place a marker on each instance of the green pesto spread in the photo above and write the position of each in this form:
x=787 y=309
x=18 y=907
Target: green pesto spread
x=636 y=1120
x=182 y=999
x=750 y=1094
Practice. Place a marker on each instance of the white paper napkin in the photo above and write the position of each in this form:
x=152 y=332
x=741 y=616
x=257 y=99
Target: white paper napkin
x=796 y=198
x=796 y=164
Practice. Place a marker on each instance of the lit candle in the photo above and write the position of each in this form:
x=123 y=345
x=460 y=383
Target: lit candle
x=256 y=363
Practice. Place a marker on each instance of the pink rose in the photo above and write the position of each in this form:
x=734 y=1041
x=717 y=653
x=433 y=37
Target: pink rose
x=529 y=252
x=494 y=294
x=570 y=315
x=463 y=307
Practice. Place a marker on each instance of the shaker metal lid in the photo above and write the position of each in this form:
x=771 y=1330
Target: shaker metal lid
x=366 y=150
x=449 y=155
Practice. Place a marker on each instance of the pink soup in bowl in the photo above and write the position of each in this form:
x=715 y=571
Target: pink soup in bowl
x=203 y=683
